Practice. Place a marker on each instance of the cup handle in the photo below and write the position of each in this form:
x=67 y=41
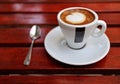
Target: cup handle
x=102 y=30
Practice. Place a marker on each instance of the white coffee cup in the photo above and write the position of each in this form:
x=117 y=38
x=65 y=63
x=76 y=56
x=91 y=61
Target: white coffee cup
x=76 y=36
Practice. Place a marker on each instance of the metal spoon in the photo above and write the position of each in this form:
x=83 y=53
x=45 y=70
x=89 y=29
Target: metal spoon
x=35 y=33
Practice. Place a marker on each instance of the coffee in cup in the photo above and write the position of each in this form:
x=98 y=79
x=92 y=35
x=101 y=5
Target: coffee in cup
x=77 y=16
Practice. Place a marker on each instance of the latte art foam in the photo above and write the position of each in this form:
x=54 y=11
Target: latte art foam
x=77 y=16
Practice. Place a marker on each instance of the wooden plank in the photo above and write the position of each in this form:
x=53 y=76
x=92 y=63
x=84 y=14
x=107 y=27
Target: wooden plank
x=14 y=19
x=113 y=34
x=20 y=36
x=54 y=1
x=59 y=79
x=37 y=8
x=11 y=62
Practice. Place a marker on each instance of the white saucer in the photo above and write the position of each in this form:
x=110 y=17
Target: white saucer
x=95 y=49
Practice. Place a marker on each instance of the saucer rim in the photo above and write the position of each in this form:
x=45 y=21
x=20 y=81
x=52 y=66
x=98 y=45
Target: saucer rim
x=80 y=64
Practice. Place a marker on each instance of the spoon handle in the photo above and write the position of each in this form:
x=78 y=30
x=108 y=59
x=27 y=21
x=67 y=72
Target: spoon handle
x=28 y=57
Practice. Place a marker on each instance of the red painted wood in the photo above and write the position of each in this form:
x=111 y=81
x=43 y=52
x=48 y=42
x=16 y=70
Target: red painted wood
x=38 y=7
x=60 y=1
x=12 y=59
x=21 y=35
x=59 y=79
x=113 y=34
x=49 y=18
x=15 y=42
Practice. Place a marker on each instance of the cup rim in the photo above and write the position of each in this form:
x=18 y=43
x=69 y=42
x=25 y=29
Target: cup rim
x=94 y=13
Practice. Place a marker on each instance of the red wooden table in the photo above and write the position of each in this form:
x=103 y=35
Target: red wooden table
x=16 y=19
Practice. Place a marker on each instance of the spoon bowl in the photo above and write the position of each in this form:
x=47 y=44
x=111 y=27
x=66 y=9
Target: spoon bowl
x=35 y=32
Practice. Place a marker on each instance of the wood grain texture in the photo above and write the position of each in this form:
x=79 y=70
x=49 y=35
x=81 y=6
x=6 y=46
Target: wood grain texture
x=11 y=61
x=50 y=8
x=55 y=1
x=17 y=15
x=59 y=79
